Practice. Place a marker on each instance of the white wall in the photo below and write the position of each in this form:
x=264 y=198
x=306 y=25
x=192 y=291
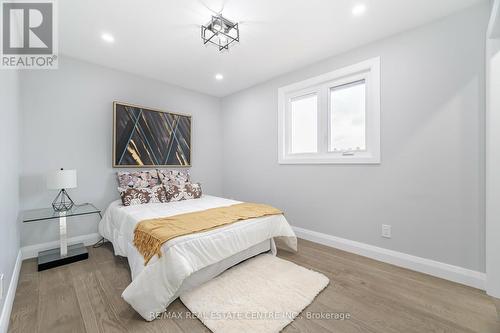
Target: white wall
x=430 y=184
x=493 y=158
x=68 y=123
x=9 y=168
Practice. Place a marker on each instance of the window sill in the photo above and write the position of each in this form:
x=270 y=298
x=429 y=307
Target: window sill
x=326 y=159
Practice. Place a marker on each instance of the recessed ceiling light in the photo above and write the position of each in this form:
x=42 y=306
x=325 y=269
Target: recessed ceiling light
x=219 y=77
x=108 y=37
x=359 y=10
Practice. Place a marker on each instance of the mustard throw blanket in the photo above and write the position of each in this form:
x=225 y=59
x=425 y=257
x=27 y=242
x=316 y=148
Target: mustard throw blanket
x=150 y=235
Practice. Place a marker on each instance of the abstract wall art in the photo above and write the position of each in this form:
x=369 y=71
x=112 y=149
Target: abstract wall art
x=145 y=137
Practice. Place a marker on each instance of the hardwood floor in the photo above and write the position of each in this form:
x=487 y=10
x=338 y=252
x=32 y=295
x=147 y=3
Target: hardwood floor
x=85 y=297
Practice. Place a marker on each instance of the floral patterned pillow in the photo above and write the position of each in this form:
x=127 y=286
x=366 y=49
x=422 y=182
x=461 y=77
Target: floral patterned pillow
x=137 y=196
x=186 y=192
x=177 y=177
x=138 y=179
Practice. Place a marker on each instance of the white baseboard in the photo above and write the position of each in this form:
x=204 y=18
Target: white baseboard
x=11 y=293
x=435 y=268
x=31 y=251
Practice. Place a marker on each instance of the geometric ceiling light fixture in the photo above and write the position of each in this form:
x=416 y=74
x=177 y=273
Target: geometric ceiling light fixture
x=221 y=32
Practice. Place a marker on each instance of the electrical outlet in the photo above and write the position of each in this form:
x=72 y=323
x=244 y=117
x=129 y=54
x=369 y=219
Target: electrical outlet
x=386 y=231
x=1 y=286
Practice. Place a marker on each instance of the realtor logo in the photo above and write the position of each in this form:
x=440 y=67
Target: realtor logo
x=29 y=39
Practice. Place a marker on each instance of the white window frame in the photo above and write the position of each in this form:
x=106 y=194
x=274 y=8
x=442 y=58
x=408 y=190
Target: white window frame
x=369 y=71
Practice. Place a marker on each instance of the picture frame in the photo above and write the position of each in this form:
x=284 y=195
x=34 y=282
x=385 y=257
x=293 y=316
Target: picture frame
x=145 y=137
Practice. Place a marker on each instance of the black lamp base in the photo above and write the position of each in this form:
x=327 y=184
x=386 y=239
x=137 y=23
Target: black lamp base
x=62 y=202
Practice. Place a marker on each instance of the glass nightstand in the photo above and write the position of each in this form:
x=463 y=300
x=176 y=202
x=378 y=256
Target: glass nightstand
x=64 y=254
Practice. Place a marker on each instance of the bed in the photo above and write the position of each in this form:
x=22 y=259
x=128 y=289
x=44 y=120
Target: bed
x=187 y=261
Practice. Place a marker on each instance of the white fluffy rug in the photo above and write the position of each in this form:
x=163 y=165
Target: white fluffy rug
x=262 y=294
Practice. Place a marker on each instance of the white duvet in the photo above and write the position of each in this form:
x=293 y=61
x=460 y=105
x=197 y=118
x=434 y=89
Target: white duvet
x=155 y=286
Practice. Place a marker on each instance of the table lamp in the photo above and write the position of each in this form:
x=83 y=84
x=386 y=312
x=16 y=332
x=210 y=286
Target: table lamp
x=62 y=180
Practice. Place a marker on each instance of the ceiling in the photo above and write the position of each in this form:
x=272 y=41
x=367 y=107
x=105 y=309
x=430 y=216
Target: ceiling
x=160 y=39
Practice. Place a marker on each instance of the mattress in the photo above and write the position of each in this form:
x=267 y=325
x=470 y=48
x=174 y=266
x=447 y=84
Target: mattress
x=155 y=285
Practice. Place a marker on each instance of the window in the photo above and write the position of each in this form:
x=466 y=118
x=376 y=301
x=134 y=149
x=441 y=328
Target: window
x=332 y=118
x=304 y=124
x=348 y=117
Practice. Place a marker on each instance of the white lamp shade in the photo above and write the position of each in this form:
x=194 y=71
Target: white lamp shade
x=61 y=179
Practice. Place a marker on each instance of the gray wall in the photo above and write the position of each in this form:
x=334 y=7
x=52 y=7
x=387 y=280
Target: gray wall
x=68 y=123
x=430 y=183
x=9 y=168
